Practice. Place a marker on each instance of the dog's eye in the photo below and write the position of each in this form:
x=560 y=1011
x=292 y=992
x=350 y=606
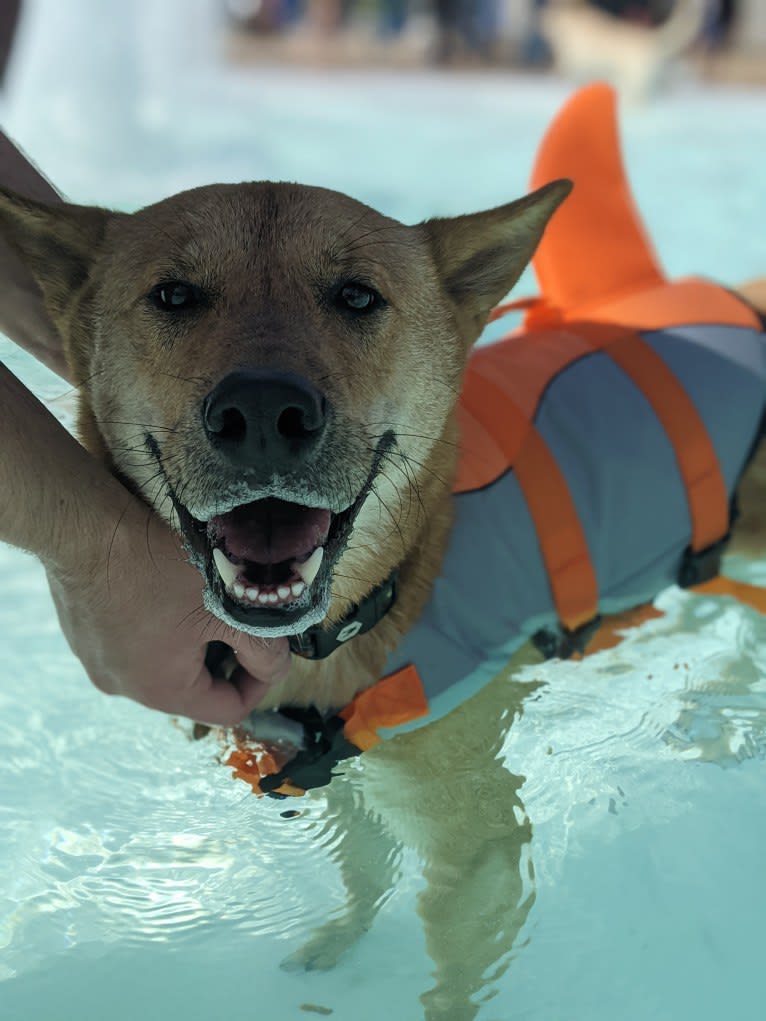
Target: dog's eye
x=358 y=297
x=175 y=296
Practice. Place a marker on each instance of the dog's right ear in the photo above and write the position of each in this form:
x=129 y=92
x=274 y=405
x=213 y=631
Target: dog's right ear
x=57 y=243
x=480 y=257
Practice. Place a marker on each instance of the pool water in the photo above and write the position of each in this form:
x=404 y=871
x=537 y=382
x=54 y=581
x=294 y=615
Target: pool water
x=614 y=828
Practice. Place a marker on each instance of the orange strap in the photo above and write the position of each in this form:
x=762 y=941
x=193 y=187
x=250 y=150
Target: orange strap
x=750 y=595
x=251 y=761
x=563 y=545
x=697 y=460
x=560 y=533
x=397 y=699
x=610 y=634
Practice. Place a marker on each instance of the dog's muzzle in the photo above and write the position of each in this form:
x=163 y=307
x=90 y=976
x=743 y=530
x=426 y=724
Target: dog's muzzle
x=269 y=562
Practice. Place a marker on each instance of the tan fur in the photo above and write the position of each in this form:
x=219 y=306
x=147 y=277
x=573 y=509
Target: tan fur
x=267 y=252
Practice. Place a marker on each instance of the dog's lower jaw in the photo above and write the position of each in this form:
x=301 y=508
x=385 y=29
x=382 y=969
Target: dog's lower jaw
x=313 y=615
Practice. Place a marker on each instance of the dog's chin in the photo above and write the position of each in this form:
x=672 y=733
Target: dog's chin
x=267 y=623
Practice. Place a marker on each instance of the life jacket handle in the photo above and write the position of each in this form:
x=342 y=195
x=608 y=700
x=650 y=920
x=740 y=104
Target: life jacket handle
x=540 y=312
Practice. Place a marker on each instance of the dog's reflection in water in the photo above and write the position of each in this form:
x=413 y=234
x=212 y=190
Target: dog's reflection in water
x=444 y=792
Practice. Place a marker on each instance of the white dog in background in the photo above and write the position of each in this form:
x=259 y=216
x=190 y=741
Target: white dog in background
x=590 y=43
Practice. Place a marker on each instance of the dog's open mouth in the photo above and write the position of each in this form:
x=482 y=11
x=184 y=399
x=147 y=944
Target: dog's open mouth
x=269 y=563
x=270 y=551
x=271 y=560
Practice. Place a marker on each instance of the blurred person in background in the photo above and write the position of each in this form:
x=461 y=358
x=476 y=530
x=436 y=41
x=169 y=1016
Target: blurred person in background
x=466 y=27
x=393 y=16
x=721 y=21
x=534 y=51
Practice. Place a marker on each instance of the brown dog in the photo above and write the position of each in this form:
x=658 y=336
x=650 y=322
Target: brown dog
x=294 y=360
x=275 y=369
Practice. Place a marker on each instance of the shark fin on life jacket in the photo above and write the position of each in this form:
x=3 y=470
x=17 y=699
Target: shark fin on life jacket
x=596 y=247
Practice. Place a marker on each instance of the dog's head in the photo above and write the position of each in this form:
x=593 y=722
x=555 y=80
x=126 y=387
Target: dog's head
x=274 y=368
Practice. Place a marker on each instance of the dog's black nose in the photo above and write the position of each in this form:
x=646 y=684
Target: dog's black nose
x=265 y=420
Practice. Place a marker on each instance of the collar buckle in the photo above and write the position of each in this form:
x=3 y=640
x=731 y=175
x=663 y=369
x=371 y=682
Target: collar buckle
x=319 y=642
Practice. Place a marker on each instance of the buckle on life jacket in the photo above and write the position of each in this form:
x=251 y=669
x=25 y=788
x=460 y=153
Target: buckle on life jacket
x=702 y=566
x=561 y=642
x=324 y=747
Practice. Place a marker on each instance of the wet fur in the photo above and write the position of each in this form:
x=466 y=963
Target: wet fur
x=268 y=253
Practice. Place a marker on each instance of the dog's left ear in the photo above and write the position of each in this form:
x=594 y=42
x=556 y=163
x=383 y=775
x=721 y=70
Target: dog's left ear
x=57 y=243
x=480 y=257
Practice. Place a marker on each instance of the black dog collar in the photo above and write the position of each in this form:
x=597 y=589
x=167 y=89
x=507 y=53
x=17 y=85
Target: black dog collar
x=319 y=642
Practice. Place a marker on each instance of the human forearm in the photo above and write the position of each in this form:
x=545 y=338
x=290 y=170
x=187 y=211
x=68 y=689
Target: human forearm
x=129 y=603
x=22 y=313
x=53 y=492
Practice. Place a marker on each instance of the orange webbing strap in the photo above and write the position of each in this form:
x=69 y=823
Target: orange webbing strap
x=560 y=534
x=517 y=305
x=696 y=457
x=750 y=595
x=563 y=545
x=610 y=634
x=393 y=701
x=252 y=761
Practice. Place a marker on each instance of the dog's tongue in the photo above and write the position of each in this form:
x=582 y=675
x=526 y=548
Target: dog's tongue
x=270 y=531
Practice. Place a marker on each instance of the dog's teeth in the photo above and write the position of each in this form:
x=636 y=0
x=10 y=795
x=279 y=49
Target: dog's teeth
x=283 y=591
x=226 y=569
x=298 y=588
x=239 y=590
x=263 y=598
x=252 y=594
x=308 y=570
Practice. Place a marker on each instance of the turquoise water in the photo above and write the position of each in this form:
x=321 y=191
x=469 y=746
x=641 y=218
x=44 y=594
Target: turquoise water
x=620 y=857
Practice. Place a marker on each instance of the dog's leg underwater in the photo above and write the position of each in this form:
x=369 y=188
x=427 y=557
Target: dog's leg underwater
x=367 y=857
x=447 y=793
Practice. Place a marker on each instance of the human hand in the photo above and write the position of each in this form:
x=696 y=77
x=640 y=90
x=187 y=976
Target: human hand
x=132 y=612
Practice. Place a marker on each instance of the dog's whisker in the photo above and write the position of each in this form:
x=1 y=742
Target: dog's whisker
x=387 y=509
x=446 y=483
x=354 y=223
x=412 y=482
x=145 y=426
x=351 y=246
x=417 y=436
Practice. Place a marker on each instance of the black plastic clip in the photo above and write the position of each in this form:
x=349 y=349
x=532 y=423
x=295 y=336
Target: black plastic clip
x=561 y=643
x=702 y=566
x=325 y=745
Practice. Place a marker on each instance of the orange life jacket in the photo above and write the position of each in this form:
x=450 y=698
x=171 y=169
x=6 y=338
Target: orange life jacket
x=611 y=353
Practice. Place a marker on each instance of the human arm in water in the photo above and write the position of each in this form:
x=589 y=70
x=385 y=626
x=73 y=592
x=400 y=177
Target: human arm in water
x=129 y=603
